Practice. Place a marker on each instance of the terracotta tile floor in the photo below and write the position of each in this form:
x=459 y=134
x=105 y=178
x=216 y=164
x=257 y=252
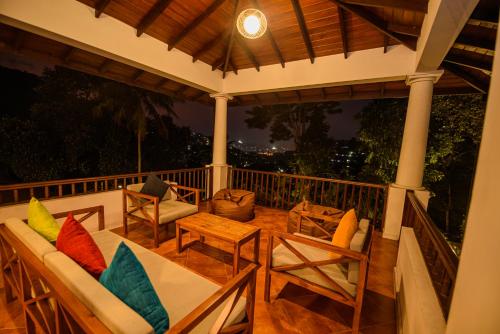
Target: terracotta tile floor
x=292 y=308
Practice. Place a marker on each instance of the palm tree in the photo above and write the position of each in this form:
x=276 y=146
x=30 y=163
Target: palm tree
x=133 y=107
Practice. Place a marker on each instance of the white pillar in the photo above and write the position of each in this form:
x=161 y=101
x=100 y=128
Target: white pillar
x=476 y=298
x=219 y=165
x=412 y=156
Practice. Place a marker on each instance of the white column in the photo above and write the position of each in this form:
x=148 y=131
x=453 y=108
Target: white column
x=476 y=298
x=412 y=156
x=220 y=167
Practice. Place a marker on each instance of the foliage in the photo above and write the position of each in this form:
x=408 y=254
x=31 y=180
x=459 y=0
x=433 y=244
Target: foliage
x=454 y=135
x=305 y=124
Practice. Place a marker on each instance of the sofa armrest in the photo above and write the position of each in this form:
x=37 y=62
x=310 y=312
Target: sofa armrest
x=230 y=293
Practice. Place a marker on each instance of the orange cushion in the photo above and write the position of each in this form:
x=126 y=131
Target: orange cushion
x=345 y=231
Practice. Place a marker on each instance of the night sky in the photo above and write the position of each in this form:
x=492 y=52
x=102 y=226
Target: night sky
x=200 y=117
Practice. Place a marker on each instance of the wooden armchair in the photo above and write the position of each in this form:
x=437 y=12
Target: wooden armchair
x=154 y=211
x=308 y=262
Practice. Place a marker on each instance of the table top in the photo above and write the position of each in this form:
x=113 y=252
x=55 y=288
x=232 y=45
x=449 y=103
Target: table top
x=219 y=227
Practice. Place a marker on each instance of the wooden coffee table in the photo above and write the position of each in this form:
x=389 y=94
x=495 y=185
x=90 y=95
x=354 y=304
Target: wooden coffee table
x=221 y=228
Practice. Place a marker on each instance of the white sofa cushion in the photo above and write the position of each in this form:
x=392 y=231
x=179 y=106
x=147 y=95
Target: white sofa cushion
x=30 y=238
x=169 y=210
x=113 y=313
x=180 y=290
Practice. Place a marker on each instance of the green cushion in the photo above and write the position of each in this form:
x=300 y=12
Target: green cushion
x=40 y=220
x=127 y=280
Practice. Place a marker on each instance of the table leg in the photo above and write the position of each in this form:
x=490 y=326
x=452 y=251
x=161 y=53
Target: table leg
x=256 y=247
x=178 y=238
x=236 y=259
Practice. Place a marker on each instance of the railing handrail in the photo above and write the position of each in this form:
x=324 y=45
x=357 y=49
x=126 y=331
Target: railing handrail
x=437 y=238
x=94 y=178
x=316 y=178
x=439 y=258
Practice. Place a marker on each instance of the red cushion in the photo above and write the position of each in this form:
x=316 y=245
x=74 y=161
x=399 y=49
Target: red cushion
x=74 y=241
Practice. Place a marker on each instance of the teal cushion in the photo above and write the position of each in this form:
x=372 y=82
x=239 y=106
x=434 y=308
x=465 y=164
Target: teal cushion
x=127 y=279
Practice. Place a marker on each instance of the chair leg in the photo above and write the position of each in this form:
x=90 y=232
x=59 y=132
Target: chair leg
x=156 y=236
x=267 y=286
x=125 y=225
x=356 y=319
x=269 y=260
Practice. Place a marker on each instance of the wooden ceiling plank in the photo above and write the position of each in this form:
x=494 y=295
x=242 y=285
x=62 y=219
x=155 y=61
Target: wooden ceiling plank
x=105 y=65
x=195 y=23
x=161 y=83
x=323 y=92
x=377 y=23
x=148 y=19
x=209 y=45
x=248 y=52
x=478 y=83
x=198 y=95
x=470 y=36
x=231 y=40
x=100 y=7
x=343 y=32
x=411 y=5
x=470 y=59
x=68 y=54
x=270 y=36
x=299 y=96
x=137 y=75
x=382 y=89
x=404 y=29
x=257 y=98
x=303 y=29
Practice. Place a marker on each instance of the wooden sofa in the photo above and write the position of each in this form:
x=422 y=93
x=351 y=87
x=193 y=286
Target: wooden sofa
x=308 y=262
x=156 y=212
x=58 y=296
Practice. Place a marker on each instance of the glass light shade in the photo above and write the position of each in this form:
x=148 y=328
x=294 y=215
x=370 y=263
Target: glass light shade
x=251 y=23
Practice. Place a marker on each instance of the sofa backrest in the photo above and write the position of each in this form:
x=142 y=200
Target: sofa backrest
x=357 y=243
x=31 y=239
x=169 y=195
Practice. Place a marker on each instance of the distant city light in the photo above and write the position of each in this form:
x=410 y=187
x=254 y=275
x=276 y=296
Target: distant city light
x=273 y=148
x=240 y=141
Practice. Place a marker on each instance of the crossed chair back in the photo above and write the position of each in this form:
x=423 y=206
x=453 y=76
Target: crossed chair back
x=139 y=203
x=330 y=287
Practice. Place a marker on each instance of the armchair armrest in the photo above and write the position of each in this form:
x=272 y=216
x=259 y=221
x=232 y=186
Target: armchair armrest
x=231 y=293
x=135 y=197
x=190 y=191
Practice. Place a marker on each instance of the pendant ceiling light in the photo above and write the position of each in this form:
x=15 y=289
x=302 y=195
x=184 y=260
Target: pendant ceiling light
x=251 y=23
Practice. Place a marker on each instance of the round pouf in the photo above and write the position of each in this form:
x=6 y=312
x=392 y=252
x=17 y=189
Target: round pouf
x=236 y=204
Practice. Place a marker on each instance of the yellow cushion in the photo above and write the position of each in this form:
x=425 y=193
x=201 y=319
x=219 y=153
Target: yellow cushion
x=42 y=221
x=345 y=231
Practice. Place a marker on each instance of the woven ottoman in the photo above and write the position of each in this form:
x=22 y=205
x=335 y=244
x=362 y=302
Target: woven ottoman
x=235 y=204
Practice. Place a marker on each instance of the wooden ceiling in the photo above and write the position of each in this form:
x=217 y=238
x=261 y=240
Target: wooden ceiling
x=202 y=29
x=297 y=30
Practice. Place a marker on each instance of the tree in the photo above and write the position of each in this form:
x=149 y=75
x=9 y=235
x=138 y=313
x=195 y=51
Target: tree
x=133 y=107
x=305 y=124
x=454 y=136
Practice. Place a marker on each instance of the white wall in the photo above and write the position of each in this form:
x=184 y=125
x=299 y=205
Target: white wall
x=112 y=201
x=475 y=307
x=419 y=310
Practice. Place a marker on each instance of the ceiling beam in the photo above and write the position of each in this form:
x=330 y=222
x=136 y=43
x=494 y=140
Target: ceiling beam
x=218 y=63
x=148 y=19
x=480 y=83
x=105 y=65
x=248 y=52
x=303 y=29
x=197 y=96
x=350 y=90
x=382 y=89
x=470 y=59
x=323 y=92
x=137 y=75
x=161 y=83
x=230 y=43
x=100 y=7
x=411 y=5
x=233 y=67
x=299 y=96
x=343 y=32
x=404 y=29
x=270 y=36
x=19 y=40
x=68 y=54
x=209 y=45
x=471 y=36
x=257 y=98
x=386 y=43
x=195 y=23
x=377 y=23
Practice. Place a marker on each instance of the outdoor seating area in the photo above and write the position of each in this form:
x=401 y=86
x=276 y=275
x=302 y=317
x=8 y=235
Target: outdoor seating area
x=212 y=260
x=212 y=234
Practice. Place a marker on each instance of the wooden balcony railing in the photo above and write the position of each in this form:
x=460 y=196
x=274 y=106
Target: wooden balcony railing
x=284 y=191
x=22 y=192
x=441 y=261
